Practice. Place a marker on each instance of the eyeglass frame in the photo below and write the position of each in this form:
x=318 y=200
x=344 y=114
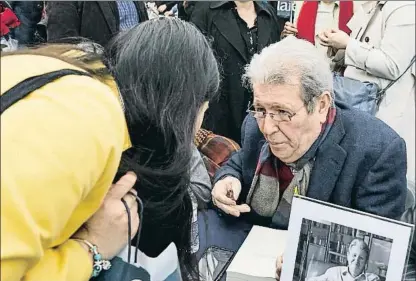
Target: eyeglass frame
x=271 y=114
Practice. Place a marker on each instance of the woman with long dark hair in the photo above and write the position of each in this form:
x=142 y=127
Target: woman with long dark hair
x=57 y=204
x=162 y=109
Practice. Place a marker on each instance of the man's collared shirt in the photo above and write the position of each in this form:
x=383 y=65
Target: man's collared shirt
x=128 y=14
x=340 y=273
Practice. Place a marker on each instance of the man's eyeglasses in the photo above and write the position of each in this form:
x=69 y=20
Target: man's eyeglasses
x=280 y=115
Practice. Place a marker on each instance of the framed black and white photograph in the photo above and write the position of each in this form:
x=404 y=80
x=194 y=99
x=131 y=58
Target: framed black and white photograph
x=328 y=242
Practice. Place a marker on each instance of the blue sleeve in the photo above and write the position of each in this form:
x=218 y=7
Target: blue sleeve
x=383 y=191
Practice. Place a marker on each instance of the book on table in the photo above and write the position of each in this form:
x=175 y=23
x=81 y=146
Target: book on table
x=324 y=242
x=256 y=258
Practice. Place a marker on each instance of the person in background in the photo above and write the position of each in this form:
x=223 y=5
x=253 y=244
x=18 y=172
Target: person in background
x=165 y=6
x=29 y=13
x=313 y=17
x=8 y=22
x=357 y=257
x=98 y=21
x=185 y=9
x=172 y=12
x=238 y=29
x=380 y=49
x=285 y=10
x=73 y=157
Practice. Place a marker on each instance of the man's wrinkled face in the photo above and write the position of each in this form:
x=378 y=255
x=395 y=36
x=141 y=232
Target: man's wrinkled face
x=289 y=140
x=357 y=260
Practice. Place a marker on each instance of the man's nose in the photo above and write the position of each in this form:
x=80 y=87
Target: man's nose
x=269 y=126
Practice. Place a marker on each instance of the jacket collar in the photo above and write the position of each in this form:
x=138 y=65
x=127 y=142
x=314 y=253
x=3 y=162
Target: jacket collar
x=228 y=27
x=108 y=9
x=258 y=6
x=329 y=161
x=218 y=4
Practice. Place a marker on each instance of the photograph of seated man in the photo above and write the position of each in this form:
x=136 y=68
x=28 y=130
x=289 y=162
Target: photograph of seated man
x=328 y=251
x=357 y=257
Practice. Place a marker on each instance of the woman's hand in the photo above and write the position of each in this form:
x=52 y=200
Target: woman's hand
x=108 y=227
x=289 y=29
x=335 y=38
x=279 y=265
x=162 y=8
x=323 y=38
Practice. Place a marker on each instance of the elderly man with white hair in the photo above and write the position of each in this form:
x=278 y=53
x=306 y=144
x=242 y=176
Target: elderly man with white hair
x=296 y=140
x=357 y=257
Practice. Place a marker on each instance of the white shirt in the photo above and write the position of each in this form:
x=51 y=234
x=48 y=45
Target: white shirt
x=340 y=273
x=327 y=17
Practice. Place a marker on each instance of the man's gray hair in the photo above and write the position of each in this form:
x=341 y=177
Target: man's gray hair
x=292 y=61
x=357 y=242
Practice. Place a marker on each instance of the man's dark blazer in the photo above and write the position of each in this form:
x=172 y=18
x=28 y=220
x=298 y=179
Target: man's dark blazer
x=361 y=165
x=98 y=21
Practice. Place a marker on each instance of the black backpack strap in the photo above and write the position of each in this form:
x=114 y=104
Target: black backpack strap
x=31 y=84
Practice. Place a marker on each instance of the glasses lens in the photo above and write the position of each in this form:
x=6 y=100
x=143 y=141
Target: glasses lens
x=284 y=117
x=259 y=114
x=255 y=114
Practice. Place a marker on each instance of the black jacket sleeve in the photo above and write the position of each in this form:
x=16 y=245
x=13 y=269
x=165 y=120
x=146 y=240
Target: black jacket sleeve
x=277 y=23
x=142 y=10
x=199 y=16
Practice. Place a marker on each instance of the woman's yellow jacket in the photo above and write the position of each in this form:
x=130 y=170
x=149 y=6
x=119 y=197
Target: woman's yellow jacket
x=60 y=149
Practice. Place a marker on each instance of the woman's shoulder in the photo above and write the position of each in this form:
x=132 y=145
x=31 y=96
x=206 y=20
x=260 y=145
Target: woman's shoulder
x=391 y=6
x=18 y=67
x=83 y=103
x=406 y=9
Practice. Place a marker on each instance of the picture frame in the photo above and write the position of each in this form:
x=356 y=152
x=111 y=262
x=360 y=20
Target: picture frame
x=326 y=241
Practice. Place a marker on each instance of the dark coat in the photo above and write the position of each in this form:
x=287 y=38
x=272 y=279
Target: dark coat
x=95 y=20
x=216 y=20
x=360 y=165
x=29 y=14
x=184 y=13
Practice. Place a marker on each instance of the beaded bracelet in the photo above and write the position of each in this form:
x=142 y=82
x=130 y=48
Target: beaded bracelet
x=99 y=264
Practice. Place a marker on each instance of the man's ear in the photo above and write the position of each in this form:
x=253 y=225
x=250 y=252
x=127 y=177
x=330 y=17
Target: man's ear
x=323 y=105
